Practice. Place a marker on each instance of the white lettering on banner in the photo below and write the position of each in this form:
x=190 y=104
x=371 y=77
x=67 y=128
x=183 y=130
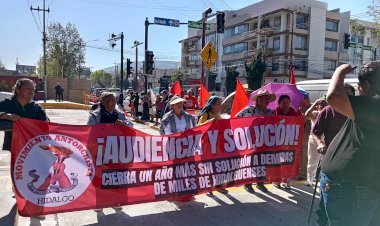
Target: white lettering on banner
x=213 y=136
x=127 y=149
x=147 y=149
x=118 y=178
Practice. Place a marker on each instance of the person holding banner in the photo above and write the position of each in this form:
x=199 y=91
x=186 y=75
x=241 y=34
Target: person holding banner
x=262 y=100
x=107 y=112
x=209 y=113
x=20 y=105
x=285 y=110
x=175 y=121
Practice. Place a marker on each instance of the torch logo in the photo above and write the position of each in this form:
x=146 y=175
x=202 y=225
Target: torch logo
x=53 y=170
x=57 y=181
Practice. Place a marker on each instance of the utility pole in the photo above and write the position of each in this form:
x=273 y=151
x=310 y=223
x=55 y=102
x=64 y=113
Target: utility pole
x=136 y=44
x=204 y=19
x=146 y=49
x=291 y=38
x=44 y=43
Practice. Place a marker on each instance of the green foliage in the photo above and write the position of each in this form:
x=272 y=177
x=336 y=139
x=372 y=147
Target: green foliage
x=65 y=51
x=101 y=77
x=255 y=71
x=178 y=76
x=374 y=12
x=231 y=76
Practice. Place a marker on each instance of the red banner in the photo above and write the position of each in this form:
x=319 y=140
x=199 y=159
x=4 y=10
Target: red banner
x=61 y=168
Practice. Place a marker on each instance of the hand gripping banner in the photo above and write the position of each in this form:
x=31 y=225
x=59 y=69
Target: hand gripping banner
x=61 y=168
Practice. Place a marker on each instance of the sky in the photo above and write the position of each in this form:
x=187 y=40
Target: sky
x=21 y=29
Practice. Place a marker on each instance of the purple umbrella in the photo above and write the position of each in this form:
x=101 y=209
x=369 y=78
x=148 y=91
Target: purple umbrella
x=278 y=89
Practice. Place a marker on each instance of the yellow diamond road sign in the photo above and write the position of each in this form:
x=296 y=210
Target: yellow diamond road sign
x=209 y=55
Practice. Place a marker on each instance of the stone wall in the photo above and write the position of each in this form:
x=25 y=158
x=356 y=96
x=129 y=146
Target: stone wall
x=73 y=88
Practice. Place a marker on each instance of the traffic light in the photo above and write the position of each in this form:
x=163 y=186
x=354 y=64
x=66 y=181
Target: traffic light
x=129 y=67
x=220 y=23
x=149 y=63
x=347 y=40
x=112 y=40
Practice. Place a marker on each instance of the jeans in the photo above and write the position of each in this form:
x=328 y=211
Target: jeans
x=349 y=204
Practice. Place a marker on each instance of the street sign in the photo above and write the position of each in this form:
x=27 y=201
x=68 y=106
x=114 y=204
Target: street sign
x=197 y=25
x=166 y=22
x=209 y=55
x=364 y=47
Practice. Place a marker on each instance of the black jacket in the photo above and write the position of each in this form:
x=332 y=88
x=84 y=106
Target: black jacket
x=32 y=110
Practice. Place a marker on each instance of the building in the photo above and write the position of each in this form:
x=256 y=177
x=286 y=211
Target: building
x=303 y=33
x=364 y=45
x=25 y=69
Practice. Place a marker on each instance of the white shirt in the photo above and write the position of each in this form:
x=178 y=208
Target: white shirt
x=179 y=123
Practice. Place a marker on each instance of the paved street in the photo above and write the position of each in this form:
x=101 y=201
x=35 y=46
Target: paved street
x=278 y=207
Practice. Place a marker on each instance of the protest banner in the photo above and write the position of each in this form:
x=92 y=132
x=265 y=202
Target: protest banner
x=60 y=168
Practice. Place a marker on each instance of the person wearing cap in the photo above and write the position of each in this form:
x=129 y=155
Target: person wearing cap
x=176 y=120
x=191 y=101
x=262 y=99
x=107 y=112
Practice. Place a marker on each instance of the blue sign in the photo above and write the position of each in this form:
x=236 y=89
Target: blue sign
x=166 y=22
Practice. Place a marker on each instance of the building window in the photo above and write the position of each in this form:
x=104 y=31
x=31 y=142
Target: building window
x=254 y=26
x=276 y=43
x=240 y=47
x=331 y=45
x=300 y=64
x=357 y=39
x=230 y=32
x=332 y=26
x=264 y=23
x=210 y=38
x=301 y=22
x=330 y=65
x=277 y=22
x=373 y=34
x=275 y=64
x=301 y=43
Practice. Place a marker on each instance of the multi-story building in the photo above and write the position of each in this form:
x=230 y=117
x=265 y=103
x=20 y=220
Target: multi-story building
x=303 y=33
x=364 y=45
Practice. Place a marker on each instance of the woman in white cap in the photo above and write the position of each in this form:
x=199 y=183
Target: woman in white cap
x=176 y=120
x=262 y=99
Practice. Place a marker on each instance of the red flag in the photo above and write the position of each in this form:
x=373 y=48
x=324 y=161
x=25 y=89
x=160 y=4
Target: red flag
x=203 y=96
x=176 y=89
x=240 y=100
x=292 y=79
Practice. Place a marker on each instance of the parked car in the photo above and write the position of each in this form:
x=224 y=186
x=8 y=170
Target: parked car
x=318 y=88
x=4 y=95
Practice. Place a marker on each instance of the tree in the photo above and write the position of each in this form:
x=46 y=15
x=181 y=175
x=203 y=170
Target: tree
x=374 y=12
x=101 y=77
x=65 y=51
x=178 y=76
x=231 y=76
x=255 y=71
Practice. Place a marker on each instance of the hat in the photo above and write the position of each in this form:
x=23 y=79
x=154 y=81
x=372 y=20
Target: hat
x=176 y=99
x=264 y=92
